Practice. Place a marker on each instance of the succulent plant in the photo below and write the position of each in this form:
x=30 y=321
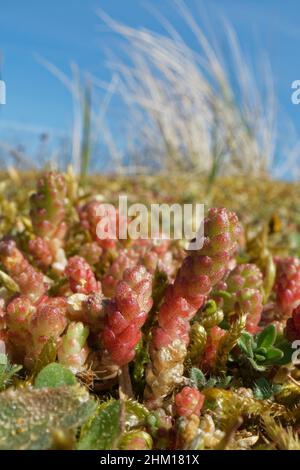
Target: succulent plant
x=287 y=286
x=189 y=401
x=29 y=280
x=126 y=314
x=139 y=344
x=242 y=291
x=81 y=276
x=199 y=272
x=260 y=350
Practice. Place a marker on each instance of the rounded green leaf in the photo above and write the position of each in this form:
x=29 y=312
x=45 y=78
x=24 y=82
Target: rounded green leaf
x=258 y=367
x=103 y=431
x=29 y=416
x=267 y=337
x=261 y=351
x=54 y=375
x=197 y=377
x=274 y=354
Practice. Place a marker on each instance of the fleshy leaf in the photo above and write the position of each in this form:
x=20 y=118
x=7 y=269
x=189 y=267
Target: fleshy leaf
x=274 y=354
x=103 y=430
x=260 y=358
x=8 y=282
x=246 y=343
x=286 y=347
x=260 y=368
x=29 y=416
x=54 y=375
x=47 y=356
x=267 y=337
x=262 y=351
x=197 y=377
x=136 y=413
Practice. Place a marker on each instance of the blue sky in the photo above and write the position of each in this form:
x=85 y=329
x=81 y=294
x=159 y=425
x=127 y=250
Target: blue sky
x=69 y=30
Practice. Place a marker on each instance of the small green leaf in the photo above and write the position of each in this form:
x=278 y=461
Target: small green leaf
x=136 y=413
x=274 y=354
x=47 y=356
x=197 y=377
x=261 y=351
x=29 y=416
x=103 y=430
x=8 y=282
x=54 y=375
x=260 y=358
x=267 y=337
x=286 y=347
x=259 y=368
x=246 y=343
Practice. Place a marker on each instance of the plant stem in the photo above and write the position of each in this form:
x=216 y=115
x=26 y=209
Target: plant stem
x=125 y=386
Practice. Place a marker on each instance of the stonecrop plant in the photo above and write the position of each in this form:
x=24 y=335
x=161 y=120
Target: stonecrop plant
x=143 y=344
x=199 y=272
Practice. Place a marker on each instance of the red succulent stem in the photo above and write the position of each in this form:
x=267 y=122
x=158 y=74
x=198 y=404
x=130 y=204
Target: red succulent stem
x=126 y=314
x=199 y=272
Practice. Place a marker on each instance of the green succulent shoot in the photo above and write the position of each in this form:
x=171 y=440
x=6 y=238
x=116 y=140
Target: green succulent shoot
x=260 y=350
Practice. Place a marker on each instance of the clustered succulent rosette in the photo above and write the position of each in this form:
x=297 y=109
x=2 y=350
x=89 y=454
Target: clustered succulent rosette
x=179 y=346
x=94 y=213
x=126 y=314
x=115 y=273
x=242 y=291
x=81 y=276
x=287 y=284
x=152 y=254
x=29 y=280
x=48 y=206
x=47 y=213
x=209 y=355
x=73 y=350
x=188 y=402
x=31 y=324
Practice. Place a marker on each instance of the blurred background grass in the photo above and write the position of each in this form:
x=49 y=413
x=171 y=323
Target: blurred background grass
x=177 y=92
